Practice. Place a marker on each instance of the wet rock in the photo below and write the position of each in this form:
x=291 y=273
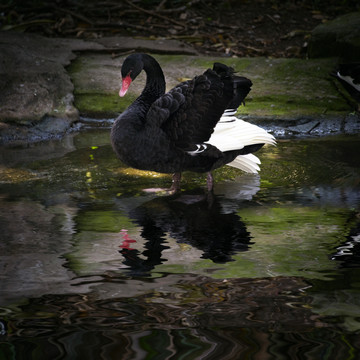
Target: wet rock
x=352 y=124
x=37 y=99
x=337 y=38
x=33 y=81
x=304 y=127
x=34 y=84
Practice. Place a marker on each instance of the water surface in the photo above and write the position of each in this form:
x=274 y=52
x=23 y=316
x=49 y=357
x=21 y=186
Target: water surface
x=92 y=266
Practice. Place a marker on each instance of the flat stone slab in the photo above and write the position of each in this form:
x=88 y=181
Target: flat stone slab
x=289 y=96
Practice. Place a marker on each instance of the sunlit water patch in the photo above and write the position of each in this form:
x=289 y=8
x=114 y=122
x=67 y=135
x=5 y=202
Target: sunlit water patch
x=92 y=266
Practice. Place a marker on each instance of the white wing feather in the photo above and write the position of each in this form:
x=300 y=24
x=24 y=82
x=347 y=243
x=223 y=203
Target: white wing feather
x=248 y=163
x=232 y=133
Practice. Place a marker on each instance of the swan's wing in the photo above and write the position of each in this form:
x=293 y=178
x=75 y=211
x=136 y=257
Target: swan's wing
x=232 y=133
x=189 y=112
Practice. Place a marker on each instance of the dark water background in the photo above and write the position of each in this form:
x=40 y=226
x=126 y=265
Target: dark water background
x=93 y=267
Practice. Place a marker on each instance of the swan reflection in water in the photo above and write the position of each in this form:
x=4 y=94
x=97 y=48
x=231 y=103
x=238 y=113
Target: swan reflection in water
x=208 y=223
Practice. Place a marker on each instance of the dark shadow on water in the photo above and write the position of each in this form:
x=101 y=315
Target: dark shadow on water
x=196 y=219
x=348 y=253
x=210 y=319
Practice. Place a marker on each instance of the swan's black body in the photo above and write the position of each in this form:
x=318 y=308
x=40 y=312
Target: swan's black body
x=166 y=132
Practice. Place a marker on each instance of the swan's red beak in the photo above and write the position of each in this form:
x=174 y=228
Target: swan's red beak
x=126 y=81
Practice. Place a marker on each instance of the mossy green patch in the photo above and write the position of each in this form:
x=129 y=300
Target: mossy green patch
x=96 y=80
x=101 y=104
x=282 y=88
x=292 y=106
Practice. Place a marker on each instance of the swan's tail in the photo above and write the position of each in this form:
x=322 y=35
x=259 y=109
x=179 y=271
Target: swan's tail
x=232 y=134
x=241 y=86
x=248 y=163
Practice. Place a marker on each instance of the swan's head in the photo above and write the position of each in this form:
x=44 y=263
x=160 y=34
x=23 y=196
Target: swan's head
x=130 y=69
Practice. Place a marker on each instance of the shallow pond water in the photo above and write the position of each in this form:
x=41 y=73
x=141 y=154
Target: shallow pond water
x=92 y=266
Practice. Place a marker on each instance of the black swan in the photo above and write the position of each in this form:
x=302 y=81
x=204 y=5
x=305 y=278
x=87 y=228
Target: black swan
x=349 y=76
x=190 y=128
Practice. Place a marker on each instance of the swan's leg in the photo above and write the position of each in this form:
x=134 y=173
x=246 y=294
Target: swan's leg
x=210 y=181
x=175 y=187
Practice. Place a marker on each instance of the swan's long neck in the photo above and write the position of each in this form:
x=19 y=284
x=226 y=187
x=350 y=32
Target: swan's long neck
x=155 y=80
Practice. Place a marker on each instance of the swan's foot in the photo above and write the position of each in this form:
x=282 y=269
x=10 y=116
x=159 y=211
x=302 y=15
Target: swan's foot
x=174 y=189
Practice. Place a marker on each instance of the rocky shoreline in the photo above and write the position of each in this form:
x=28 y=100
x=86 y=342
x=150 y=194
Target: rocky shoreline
x=48 y=86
